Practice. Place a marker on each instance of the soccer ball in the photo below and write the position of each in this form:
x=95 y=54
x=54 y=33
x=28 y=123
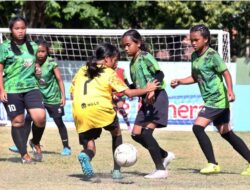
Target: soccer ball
x=125 y=155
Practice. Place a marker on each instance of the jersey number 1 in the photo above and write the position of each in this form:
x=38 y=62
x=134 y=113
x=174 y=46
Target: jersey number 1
x=85 y=86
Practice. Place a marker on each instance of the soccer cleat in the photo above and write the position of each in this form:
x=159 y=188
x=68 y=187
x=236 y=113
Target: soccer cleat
x=166 y=161
x=157 y=174
x=86 y=165
x=14 y=149
x=116 y=174
x=246 y=172
x=211 y=169
x=66 y=151
x=37 y=151
x=26 y=159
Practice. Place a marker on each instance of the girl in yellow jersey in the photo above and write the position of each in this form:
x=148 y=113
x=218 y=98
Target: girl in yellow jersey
x=91 y=92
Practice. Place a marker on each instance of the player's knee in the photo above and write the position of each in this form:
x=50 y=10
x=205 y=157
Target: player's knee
x=147 y=133
x=137 y=137
x=227 y=135
x=198 y=129
x=17 y=124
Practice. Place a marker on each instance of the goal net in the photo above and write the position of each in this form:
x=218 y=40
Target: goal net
x=72 y=47
x=172 y=49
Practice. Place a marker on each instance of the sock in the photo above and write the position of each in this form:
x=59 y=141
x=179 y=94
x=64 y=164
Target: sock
x=90 y=153
x=27 y=127
x=17 y=134
x=139 y=139
x=37 y=134
x=153 y=147
x=124 y=115
x=205 y=143
x=62 y=131
x=238 y=144
x=116 y=141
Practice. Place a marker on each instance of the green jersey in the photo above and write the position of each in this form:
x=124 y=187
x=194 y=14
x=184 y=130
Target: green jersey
x=207 y=70
x=19 y=70
x=48 y=83
x=143 y=69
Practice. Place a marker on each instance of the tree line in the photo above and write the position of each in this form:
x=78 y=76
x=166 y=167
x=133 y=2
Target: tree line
x=233 y=16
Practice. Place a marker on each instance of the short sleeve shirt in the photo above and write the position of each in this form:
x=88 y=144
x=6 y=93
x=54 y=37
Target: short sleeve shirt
x=207 y=70
x=19 y=70
x=143 y=69
x=48 y=84
x=92 y=99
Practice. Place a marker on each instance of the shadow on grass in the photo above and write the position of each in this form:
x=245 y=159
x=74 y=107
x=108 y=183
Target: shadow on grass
x=11 y=159
x=192 y=170
x=99 y=176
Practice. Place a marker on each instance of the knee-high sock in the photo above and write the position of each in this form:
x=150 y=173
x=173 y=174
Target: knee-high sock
x=116 y=141
x=37 y=134
x=153 y=147
x=139 y=139
x=17 y=134
x=205 y=143
x=27 y=127
x=62 y=131
x=238 y=144
x=124 y=115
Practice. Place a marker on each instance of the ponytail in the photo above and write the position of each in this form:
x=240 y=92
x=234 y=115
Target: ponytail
x=17 y=51
x=92 y=69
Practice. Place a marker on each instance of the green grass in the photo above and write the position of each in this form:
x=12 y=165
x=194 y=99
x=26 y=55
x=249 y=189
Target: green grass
x=64 y=173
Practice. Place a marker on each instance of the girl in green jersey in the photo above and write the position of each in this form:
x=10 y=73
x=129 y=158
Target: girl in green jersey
x=208 y=70
x=18 y=86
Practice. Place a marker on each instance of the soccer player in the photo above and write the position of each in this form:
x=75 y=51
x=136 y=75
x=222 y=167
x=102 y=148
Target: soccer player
x=92 y=107
x=52 y=88
x=18 y=86
x=119 y=98
x=154 y=110
x=208 y=70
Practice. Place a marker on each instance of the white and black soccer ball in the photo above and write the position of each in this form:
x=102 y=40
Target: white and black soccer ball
x=125 y=155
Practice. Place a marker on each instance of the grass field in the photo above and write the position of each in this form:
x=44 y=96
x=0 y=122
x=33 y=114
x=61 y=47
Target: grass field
x=64 y=173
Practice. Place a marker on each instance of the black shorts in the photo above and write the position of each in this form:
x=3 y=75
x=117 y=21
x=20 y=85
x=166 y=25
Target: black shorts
x=54 y=110
x=96 y=132
x=218 y=116
x=156 y=113
x=18 y=102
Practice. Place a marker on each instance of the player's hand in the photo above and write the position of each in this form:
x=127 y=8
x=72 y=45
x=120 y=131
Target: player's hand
x=71 y=96
x=38 y=71
x=230 y=96
x=3 y=96
x=152 y=86
x=174 y=83
x=150 y=98
x=63 y=101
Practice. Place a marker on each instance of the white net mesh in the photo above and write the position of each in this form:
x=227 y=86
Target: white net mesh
x=72 y=47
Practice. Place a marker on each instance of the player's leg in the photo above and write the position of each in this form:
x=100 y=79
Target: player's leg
x=33 y=102
x=27 y=129
x=223 y=126
x=86 y=139
x=204 y=118
x=122 y=111
x=154 y=150
x=15 y=110
x=56 y=112
x=115 y=131
x=64 y=136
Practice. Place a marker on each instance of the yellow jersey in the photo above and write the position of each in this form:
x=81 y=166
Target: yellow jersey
x=92 y=99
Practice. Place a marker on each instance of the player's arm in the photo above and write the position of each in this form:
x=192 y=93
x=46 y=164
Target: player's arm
x=185 y=81
x=119 y=86
x=61 y=84
x=151 y=86
x=3 y=94
x=228 y=79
